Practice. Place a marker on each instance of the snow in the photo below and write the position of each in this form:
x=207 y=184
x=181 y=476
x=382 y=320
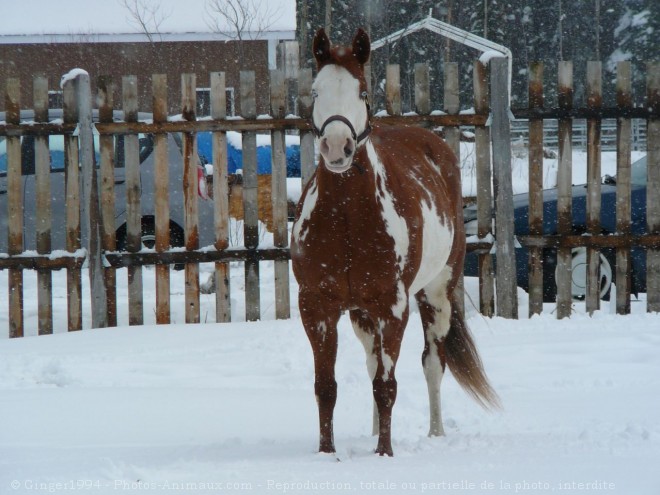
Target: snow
x=230 y=407
x=490 y=54
x=71 y=75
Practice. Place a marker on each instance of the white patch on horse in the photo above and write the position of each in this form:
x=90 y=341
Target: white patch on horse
x=385 y=359
x=300 y=229
x=437 y=240
x=401 y=300
x=395 y=225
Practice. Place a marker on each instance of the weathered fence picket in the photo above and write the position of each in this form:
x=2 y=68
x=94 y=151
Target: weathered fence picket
x=594 y=103
x=623 y=185
x=279 y=195
x=190 y=193
x=105 y=99
x=653 y=186
x=43 y=204
x=250 y=198
x=133 y=194
x=72 y=187
x=484 y=190
x=564 y=190
x=220 y=198
x=162 y=202
x=535 y=260
x=14 y=208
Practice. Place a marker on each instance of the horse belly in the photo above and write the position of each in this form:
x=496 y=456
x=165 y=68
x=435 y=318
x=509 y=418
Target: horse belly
x=437 y=240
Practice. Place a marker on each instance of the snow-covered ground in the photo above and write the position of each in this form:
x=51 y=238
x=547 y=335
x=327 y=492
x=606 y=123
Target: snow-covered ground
x=230 y=407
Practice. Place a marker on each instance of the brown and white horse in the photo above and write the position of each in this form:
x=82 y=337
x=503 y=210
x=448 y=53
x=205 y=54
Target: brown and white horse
x=381 y=219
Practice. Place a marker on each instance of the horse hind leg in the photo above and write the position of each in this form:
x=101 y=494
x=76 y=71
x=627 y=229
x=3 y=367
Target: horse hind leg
x=364 y=330
x=435 y=310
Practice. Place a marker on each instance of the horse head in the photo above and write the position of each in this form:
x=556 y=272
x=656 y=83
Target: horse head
x=341 y=106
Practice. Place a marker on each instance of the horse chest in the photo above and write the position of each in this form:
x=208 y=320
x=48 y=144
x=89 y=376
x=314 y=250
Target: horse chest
x=352 y=250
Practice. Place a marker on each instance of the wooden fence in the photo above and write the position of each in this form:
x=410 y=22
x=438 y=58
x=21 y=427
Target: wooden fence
x=92 y=198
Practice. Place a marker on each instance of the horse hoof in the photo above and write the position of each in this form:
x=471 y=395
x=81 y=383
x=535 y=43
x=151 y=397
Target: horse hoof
x=384 y=452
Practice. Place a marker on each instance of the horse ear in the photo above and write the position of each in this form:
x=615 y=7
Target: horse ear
x=321 y=47
x=361 y=46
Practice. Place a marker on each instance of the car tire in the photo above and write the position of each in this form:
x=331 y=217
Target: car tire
x=149 y=236
x=578 y=271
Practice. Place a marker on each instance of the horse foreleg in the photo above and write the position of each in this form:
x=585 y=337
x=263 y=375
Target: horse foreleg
x=365 y=332
x=321 y=328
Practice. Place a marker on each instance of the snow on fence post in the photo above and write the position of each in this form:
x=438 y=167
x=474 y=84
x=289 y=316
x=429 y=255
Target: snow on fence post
x=107 y=193
x=305 y=104
x=594 y=103
x=653 y=186
x=279 y=196
x=535 y=260
x=190 y=193
x=220 y=198
x=43 y=205
x=90 y=202
x=564 y=189
x=162 y=199
x=484 y=191
x=623 y=185
x=507 y=296
x=14 y=207
x=72 y=178
x=250 y=208
x=133 y=193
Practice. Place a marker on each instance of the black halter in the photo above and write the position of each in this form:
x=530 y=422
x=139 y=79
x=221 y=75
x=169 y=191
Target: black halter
x=340 y=118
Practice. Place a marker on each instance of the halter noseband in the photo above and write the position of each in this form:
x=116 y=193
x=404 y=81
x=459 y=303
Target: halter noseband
x=340 y=118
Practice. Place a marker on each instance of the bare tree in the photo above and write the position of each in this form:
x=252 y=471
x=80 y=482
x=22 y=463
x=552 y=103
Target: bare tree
x=241 y=19
x=147 y=16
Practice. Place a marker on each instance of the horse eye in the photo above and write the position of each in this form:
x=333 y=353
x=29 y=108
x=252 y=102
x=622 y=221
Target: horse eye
x=364 y=95
x=315 y=94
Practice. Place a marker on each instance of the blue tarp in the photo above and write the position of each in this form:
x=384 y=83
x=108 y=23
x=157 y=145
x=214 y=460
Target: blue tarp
x=235 y=156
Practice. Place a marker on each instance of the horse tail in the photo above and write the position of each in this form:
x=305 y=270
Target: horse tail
x=465 y=364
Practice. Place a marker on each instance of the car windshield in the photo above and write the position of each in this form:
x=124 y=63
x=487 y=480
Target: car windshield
x=638 y=172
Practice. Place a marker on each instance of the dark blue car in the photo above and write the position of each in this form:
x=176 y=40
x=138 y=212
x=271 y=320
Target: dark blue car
x=579 y=254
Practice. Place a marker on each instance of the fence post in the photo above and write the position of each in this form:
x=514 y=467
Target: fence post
x=393 y=89
x=190 y=187
x=220 y=198
x=564 y=190
x=90 y=202
x=43 y=203
x=14 y=207
x=507 y=296
x=72 y=177
x=594 y=102
x=484 y=191
x=162 y=200
x=250 y=185
x=279 y=195
x=133 y=195
x=535 y=260
x=653 y=186
x=107 y=170
x=623 y=171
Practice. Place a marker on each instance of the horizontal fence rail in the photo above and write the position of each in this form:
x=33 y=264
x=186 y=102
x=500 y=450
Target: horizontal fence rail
x=560 y=128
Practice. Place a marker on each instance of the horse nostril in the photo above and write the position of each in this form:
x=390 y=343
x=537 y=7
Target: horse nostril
x=348 y=148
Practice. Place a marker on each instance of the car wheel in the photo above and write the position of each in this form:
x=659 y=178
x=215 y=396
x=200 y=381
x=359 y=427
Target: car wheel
x=578 y=274
x=149 y=236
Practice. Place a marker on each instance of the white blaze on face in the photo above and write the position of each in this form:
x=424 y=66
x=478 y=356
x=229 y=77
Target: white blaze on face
x=338 y=93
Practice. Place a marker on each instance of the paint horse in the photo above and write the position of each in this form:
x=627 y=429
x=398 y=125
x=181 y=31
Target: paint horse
x=381 y=219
